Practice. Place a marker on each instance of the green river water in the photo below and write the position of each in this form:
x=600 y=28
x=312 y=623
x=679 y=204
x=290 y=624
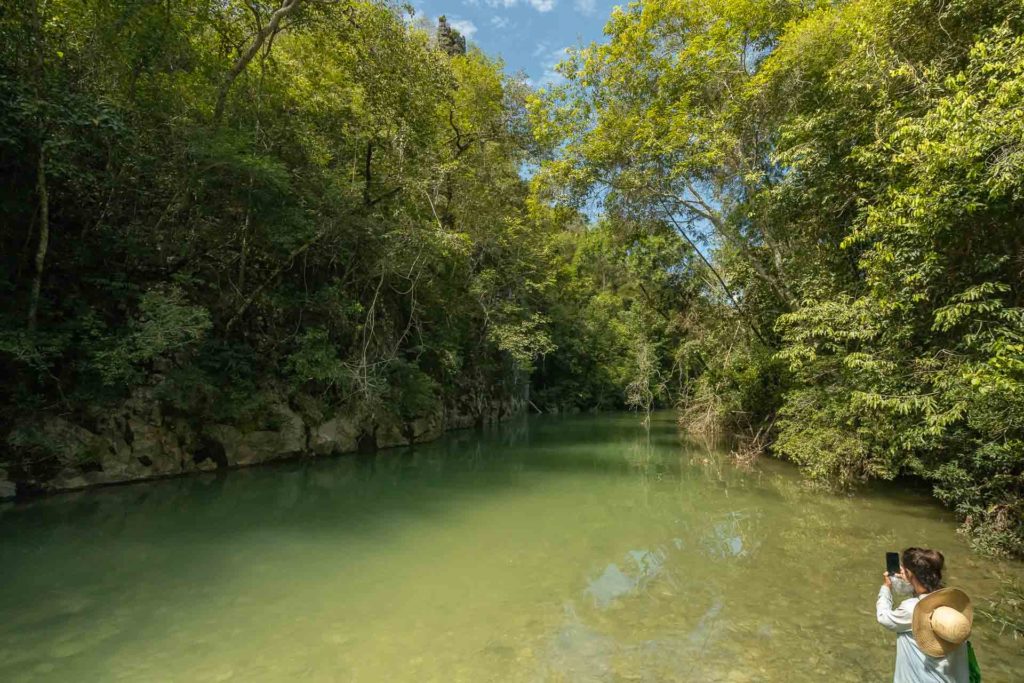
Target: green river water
x=549 y=549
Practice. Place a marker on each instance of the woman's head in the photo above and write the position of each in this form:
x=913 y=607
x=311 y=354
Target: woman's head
x=925 y=565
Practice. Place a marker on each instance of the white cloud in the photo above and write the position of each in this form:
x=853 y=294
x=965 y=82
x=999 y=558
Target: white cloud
x=464 y=26
x=539 y=5
x=586 y=7
x=499 y=22
x=551 y=77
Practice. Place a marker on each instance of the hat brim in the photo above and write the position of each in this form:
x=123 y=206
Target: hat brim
x=927 y=640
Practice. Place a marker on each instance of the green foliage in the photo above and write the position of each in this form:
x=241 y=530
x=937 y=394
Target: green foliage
x=412 y=393
x=523 y=340
x=853 y=172
x=918 y=368
x=351 y=228
x=166 y=326
x=614 y=310
x=315 y=359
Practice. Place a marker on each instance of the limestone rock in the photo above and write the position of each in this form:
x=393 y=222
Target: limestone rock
x=249 y=448
x=137 y=440
x=390 y=432
x=448 y=39
x=73 y=445
x=312 y=409
x=207 y=465
x=68 y=479
x=427 y=428
x=155 y=448
x=292 y=431
x=227 y=438
x=261 y=446
x=459 y=420
x=143 y=406
x=338 y=435
x=7 y=487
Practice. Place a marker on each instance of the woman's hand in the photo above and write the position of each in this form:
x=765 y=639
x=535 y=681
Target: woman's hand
x=886 y=580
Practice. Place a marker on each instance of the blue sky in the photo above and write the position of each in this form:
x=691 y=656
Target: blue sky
x=530 y=35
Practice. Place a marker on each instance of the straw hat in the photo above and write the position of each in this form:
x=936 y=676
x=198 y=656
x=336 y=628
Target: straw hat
x=942 y=621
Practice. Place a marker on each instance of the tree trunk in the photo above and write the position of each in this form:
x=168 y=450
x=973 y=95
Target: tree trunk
x=44 y=237
x=244 y=254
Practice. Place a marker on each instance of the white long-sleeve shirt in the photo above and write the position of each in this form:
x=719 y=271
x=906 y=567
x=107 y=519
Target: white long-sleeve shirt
x=912 y=664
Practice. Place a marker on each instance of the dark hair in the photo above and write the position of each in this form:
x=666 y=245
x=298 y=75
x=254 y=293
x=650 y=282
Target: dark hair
x=926 y=564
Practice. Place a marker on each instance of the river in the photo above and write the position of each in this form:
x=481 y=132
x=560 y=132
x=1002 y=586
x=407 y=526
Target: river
x=549 y=549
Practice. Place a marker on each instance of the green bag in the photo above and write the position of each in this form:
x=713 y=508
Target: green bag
x=972 y=664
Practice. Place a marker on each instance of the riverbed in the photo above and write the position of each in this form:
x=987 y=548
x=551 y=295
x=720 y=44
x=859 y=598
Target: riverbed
x=584 y=548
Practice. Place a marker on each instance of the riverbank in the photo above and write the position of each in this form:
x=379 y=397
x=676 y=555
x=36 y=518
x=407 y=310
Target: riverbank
x=140 y=439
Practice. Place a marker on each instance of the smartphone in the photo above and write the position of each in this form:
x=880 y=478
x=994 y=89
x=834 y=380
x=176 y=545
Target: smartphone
x=892 y=563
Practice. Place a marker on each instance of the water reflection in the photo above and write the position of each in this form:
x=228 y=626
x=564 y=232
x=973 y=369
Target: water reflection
x=580 y=549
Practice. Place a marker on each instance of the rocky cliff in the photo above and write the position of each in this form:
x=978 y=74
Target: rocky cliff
x=141 y=439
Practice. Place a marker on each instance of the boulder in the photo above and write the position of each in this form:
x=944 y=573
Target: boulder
x=427 y=428
x=312 y=409
x=140 y=441
x=7 y=488
x=153 y=447
x=458 y=417
x=143 y=406
x=227 y=438
x=67 y=479
x=208 y=465
x=292 y=430
x=250 y=448
x=390 y=431
x=71 y=444
x=261 y=446
x=338 y=435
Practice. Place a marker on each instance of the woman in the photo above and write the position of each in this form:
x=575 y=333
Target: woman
x=932 y=627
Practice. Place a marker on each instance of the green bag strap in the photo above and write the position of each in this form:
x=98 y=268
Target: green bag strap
x=972 y=664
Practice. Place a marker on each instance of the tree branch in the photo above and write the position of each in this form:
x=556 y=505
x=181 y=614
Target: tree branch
x=268 y=31
x=714 y=271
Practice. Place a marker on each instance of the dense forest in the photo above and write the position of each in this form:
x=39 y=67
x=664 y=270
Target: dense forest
x=236 y=230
